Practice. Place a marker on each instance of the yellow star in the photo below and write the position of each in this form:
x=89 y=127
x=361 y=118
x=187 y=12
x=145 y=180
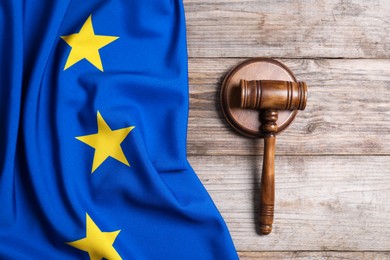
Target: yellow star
x=98 y=244
x=107 y=143
x=86 y=45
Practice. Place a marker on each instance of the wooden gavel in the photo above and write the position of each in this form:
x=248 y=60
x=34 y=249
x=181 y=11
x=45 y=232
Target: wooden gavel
x=278 y=101
x=269 y=96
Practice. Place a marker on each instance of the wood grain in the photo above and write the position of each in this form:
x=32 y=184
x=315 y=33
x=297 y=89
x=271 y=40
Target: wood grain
x=322 y=202
x=347 y=110
x=314 y=255
x=333 y=165
x=299 y=29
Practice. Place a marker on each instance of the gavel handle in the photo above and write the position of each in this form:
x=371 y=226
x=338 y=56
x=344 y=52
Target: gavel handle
x=267 y=194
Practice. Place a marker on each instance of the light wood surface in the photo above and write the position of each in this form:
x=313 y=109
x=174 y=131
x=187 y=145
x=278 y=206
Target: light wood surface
x=338 y=203
x=297 y=29
x=347 y=111
x=332 y=166
x=323 y=255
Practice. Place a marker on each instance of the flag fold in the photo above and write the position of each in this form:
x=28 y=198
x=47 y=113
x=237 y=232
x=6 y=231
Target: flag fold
x=93 y=110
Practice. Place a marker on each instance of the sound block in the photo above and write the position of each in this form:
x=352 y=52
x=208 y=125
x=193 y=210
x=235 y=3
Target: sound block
x=246 y=121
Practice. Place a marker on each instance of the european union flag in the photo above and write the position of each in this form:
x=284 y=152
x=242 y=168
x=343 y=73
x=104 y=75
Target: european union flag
x=93 y=110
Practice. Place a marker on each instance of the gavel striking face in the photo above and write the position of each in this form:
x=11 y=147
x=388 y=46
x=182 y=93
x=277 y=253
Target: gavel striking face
x=270 y=97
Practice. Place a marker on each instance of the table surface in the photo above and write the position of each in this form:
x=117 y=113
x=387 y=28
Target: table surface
x=333 y=162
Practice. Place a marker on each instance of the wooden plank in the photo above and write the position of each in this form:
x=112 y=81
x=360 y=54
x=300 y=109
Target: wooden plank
x=249 y=28
x=314 y=255
x=322 y=202
x=347 y=110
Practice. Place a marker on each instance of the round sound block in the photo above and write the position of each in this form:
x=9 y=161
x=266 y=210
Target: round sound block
x=246 y=121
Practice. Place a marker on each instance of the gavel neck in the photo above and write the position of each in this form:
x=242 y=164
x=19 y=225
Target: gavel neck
x=268 y=120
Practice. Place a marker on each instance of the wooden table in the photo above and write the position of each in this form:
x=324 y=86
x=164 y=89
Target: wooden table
x=333 y=162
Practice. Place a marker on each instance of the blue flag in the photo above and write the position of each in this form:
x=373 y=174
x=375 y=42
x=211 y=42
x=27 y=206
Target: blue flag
x=93 y=109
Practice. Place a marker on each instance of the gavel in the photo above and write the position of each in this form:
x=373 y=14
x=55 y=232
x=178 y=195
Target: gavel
x=260 y=98
x=270 y=96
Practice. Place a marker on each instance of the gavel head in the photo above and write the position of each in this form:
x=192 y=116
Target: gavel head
x=273 y=95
